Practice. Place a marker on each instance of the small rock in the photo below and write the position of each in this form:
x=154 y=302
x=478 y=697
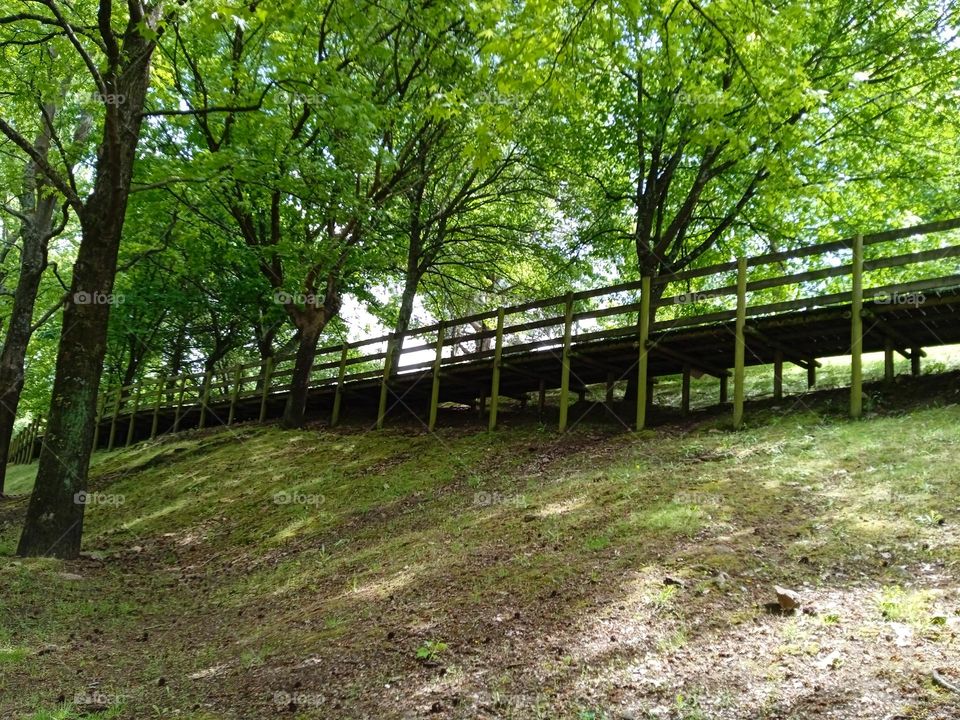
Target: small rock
x=788 y=599
x=675 y=581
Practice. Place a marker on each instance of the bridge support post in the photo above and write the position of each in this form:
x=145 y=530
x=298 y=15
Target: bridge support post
x=265 y=391
x=889 y=371
x=133 y=415
x=565 y=362
x=739 y=391
x=778 y=375
x=161 y=387
x=204 y=398
x=113 y=420
x=235 y=395
x=338 y=393
x=811 y=374
x=685 y=391
x=385 y=383
x=542 y=399
x=495 y=380
x=724 y=392
x=856 y=331
x=608 y=396
x=642 y=364
x=915 y=355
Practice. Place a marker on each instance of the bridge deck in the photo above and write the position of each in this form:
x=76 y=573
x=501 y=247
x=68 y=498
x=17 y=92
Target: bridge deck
x=800 y=336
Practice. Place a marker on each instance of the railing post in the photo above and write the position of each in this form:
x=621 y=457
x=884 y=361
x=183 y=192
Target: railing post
x=495 y=381
x=265 y=391
x=235 y=395
x=778 y=375
x=113 y=420
x=161 y=388
x=643 y=360
x=856 y=331
x=179 y=411
x=131 y=426
x=915 y=354
x=435 y=386
x=565 y=360
x=811 y=374
x=385 y=383
x=338 y=395
x=685 y=391
x=739 y=391
x=204 y=398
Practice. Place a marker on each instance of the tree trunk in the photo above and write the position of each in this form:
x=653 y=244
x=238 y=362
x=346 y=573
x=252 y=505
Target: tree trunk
x=35 y=231
x=296 y=408
x=405 y=314
x=54 y=521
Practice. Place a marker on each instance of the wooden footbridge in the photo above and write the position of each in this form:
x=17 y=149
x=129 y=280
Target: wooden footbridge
x=896 y=291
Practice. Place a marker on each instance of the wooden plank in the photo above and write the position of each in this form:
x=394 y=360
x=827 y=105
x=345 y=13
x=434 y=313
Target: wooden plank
x=495 y=380
x=856 y=331
x=739 y=391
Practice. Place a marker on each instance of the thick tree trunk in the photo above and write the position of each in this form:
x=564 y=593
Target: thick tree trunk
x=54 y=521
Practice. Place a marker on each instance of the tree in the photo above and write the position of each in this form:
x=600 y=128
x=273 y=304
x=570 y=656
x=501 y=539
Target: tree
x=117 y=65
x=36 y=211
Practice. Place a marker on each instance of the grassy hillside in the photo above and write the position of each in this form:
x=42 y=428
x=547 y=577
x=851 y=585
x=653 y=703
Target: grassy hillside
x=257 y=573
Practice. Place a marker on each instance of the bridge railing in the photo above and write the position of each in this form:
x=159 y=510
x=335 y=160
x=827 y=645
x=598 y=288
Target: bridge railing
x=850 y=270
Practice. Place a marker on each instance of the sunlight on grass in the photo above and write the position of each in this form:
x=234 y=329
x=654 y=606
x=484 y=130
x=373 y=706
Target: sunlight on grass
x=672 y=519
